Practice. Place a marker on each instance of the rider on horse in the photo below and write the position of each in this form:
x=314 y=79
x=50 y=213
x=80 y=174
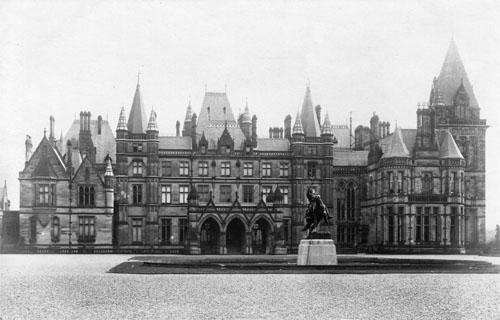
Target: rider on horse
x=316 y=211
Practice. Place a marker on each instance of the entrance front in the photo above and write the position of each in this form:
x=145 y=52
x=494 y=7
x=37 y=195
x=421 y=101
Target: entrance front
x=235 y=237
x=209 y=237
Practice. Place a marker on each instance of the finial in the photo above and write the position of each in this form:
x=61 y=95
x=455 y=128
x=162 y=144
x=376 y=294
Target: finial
x=138 y=77
x=308 y=83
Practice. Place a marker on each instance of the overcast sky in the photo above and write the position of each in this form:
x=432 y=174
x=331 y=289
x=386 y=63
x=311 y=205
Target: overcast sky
x=62 y=57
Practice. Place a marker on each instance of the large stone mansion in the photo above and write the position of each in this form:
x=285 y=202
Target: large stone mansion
x=217 y=187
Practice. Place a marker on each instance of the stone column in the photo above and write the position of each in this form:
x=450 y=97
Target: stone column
x=222 y=241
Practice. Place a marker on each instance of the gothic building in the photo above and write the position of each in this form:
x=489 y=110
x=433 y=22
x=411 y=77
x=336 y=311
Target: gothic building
x=216 y=187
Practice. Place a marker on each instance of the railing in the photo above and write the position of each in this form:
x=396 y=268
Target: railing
x=476 y=122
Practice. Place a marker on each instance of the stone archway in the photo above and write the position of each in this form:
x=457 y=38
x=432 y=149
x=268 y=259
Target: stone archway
x=209 y=237
x=261 y=237
x=235 y=237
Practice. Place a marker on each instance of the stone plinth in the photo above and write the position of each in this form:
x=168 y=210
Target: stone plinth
x=317 y=252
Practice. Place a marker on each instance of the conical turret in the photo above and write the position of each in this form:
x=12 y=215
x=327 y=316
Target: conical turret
x=152 y=125
x=297 y=127
x=327 y=126
x=452 y=74
x=137 y=120
x=396 y=147
x=308 y=116
x=122 y=121
x=448 y=148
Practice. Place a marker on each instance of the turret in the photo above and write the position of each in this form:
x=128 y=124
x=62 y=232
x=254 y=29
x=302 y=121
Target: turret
x=152 y=145
x=298 y=132
x=186 y=129
x=69 y=156
x=374 y=127
x=86 y=145
x=194 y=124
x=177 y=128
x=246 y=122
x=326 y=130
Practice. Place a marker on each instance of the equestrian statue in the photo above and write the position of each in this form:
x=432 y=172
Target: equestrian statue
x=316 y=211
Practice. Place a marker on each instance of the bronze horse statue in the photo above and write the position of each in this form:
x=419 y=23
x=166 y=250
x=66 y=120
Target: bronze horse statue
x=316 y=212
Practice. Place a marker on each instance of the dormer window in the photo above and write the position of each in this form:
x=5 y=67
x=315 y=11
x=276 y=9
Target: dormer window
x=227 y=150
x=203 y=149
x=248 y=149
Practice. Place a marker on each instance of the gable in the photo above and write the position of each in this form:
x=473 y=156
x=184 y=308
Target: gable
x=87 y=174
x=45 y=162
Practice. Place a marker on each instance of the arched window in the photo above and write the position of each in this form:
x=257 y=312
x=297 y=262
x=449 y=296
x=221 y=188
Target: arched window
x=55 y=229
x=426 y=184
x=341 y=201
x=351 y=201
x=86 y=195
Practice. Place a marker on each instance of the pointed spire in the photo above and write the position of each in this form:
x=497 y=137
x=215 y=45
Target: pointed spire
x=448 y=148
x=327 y=126
x=189 y=112
x=297 y=127
x=137 y=120
x=152 y=126
x=308 y=115
x=452 y=74
x=122 y=121
x=246 y=115
x=396 y=147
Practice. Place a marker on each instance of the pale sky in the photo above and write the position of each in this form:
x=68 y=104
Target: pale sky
x=62 y=57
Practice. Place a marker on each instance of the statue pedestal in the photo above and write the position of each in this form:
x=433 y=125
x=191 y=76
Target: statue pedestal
x=317 y=252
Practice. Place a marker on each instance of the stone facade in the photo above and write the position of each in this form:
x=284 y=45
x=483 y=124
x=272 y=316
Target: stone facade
x=217 y=188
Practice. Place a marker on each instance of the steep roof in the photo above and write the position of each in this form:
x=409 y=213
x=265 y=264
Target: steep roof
x=104 y=142
x=409 y=137
x=448 y=148
x=308 y=116
x=215 y=111
x=350 y=158
x=342 y=133
x=175 y=143
x=137 y=120
x=396 y=147
x=452 y=74
x=267 y=144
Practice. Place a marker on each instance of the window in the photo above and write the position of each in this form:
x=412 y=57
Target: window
x=351 y=201
x=86 y=196
x=44 y=194
x=313 y=150
x=436 y=223
x=184 y=168
x=247 y=169
x=203 y=193
x=225 y=170
x=136 y=231
x=137 y=193
x=427 y=183
x=137 y=167
x=86 y=229
x=311 y=169
x=390 y=177
x=418 y=231
x=283 y=169
x=166 y=168
x=33 y=233
x=137 y=147
x=183 y=194
x=284 y=193
x=166 y=231
x=203 y=169
x=247 y=193
x=55 y=229
x=166 y=194
x=341 y=201
x=266 y=169
x=266 y=190
x=400 y=181
x=390 y=212
x=401 y=211
x=183 y=231
x=453 y=225
x=225 y=193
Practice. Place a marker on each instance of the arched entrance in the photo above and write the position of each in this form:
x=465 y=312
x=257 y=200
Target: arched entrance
x=209 y=237
x=261 y=237
x=235 y=237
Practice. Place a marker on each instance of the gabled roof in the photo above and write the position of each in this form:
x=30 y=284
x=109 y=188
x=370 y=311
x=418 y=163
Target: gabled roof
x=448 y=148
x=452 y=73
x=308 y=116
x=396 y=147
x=45 y=161
x=104 y=143
x=86 y=163
x=137 y=119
